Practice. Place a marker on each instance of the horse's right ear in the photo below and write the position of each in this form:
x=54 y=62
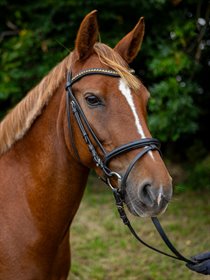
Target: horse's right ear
x=129 y=46
x=87 y=35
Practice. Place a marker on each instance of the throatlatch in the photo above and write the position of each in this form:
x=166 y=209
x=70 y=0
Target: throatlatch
x=199 y=263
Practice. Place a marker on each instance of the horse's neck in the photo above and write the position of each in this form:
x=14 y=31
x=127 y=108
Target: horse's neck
x=42 y=169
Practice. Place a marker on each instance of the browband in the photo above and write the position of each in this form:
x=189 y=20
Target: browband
x=93 y=71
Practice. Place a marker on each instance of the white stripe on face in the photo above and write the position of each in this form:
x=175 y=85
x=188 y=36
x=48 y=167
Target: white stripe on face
x=126 y=92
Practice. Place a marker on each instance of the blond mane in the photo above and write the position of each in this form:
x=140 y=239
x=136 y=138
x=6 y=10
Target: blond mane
x=16 y=124
x=113 y=60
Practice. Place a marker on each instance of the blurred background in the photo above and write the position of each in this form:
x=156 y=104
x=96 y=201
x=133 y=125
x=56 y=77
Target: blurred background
x=174 y=63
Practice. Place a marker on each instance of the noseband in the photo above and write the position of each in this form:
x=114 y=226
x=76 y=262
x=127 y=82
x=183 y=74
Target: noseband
x=145 y=144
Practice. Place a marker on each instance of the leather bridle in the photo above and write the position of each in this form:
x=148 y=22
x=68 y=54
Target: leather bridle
x=146 y=145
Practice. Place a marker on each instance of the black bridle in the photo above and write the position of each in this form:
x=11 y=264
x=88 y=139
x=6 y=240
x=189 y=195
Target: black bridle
x=146 y=145
x=72 y=104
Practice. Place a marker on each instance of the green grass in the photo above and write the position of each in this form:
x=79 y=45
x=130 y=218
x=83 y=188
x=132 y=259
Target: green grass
x=104 y=249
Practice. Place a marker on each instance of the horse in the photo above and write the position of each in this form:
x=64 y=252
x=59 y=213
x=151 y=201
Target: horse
x=49 y=143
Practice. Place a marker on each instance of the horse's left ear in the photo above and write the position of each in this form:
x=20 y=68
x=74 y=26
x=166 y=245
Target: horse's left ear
x=129 y=46
x=87 y=35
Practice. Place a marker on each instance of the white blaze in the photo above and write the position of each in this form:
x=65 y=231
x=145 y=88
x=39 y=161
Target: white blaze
x=126 y=92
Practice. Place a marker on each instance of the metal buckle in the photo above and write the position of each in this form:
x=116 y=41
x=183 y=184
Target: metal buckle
x=113 y=174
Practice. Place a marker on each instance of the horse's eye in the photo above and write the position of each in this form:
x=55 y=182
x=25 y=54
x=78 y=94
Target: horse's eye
x=93 y=100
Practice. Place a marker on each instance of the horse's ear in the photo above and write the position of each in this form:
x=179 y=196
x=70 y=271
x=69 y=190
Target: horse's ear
x=87 y=35
x=129 y=46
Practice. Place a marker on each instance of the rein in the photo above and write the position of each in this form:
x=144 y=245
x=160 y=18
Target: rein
x=147 y=144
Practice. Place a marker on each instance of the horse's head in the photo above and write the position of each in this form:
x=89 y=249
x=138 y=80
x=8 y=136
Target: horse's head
x=115 y=108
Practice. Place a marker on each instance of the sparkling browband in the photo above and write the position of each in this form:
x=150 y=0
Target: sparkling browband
x=92 y=71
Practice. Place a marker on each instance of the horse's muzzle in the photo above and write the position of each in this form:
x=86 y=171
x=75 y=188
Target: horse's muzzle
x=147 y=200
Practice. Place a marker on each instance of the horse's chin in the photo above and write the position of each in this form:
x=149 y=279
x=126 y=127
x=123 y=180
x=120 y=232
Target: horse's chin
x=134 y=210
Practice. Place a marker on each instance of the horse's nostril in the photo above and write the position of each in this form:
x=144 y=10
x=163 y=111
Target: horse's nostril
x=146 y=195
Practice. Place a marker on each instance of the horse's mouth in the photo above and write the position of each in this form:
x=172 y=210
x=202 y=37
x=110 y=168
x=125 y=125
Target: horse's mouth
x=138 y=208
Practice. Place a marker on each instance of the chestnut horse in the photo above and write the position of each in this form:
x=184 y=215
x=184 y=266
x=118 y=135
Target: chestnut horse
x=45 y=161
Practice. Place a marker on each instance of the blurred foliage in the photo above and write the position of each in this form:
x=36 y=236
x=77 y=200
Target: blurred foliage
x=198 y=175
x=174 y=62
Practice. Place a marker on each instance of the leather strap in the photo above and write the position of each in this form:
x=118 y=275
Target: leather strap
x=131 y=146
x=133 y=162
x=168 y=242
